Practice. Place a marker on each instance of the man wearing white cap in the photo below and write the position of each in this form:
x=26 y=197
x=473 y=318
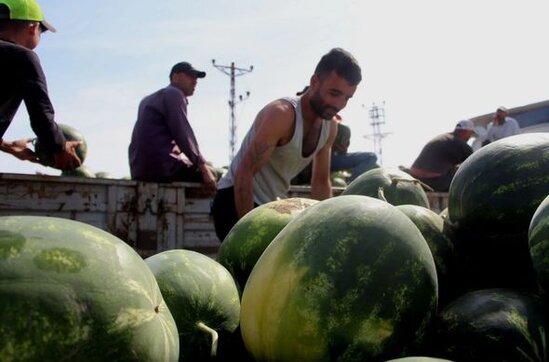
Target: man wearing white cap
x=502 y=126
x=21 y=26
x=440 y=158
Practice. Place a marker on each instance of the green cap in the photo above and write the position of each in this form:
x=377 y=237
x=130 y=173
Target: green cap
x=24 y=10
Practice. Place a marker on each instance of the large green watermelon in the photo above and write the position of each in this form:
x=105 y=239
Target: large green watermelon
x=494 y=325
x=202 y=297
x=397 y=187
x=434 y=230
x=538 y=237
x=251 y=235
x=351 y=278
x=81 y=171
x=72 y=292
x=492 y=199
x=71 y=134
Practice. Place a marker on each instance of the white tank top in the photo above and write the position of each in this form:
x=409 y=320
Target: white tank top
x=273 y=180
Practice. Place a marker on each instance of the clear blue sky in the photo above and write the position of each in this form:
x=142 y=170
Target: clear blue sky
x=432 y=63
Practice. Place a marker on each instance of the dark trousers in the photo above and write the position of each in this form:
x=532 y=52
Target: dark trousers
x=224 y=212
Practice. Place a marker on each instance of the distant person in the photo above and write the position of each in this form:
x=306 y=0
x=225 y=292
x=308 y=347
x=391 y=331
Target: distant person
x=341 y=159
x=286 y=135
x=163 y=146
x=22 y=80
x=501 y=126
x=440 y=158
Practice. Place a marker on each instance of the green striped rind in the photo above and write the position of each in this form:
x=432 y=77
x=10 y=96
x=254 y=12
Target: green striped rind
x=498 y=188
x=197 y=289
x=399 y=188
x=251 y=235
x=350 y=278
x=70 y=291
x=432 y=228
x=494 y=325
x=81 y=171
x=538 y=237
x=419 y=359
x=71 y=134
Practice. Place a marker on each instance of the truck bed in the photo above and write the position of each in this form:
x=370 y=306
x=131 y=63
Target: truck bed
x=150 y=217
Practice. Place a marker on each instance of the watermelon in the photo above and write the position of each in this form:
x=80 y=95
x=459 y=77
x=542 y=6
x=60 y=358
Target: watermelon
x=494 y=325
x=70 y=291
x=538 y=238
x=398 y=187
x=203 y=299
x=251 y=235
x=434 y=230
x=351 y=278
x=419 y=359
x=491 y=201
x=71 y=134
x=81 y=171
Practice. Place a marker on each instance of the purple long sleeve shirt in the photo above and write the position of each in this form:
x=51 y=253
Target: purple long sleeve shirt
x=161 y=124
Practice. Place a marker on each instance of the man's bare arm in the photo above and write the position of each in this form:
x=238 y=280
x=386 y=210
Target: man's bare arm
x=321 y=184
x=274 y=124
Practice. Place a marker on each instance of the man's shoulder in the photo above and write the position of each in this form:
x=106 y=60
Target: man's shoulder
x=9 y=49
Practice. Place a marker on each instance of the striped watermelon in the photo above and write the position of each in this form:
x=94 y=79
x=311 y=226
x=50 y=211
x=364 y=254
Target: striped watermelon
x=397 y=187
x=434 y=230
x=538 y=237
x=251 y=235
x=494 y=325
x=202 y=297
x=492 y=199
x=71 y=134
x=350 y=278
x=72 y=292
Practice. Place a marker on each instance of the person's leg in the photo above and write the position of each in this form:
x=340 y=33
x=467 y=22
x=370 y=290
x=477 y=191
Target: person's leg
x=224 y=212
x=359 y=162
x=188 y=174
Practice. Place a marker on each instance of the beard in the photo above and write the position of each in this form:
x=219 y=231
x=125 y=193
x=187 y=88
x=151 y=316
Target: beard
x=320 y=107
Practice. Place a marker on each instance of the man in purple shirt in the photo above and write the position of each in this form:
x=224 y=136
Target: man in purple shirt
x=163 y=147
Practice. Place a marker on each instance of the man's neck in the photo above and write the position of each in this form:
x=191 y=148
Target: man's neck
x=309 y=115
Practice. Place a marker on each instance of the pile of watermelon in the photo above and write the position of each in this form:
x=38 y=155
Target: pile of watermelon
x=370 y=275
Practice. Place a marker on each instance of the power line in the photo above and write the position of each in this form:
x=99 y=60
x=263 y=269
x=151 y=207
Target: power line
x=233 y=72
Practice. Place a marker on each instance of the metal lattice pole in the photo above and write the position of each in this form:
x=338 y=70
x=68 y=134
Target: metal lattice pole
x=233 y=72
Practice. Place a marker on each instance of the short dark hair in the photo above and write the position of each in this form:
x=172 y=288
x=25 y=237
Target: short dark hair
x=343 y=63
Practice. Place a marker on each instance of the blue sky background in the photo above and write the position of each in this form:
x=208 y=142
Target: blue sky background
x=431 y=62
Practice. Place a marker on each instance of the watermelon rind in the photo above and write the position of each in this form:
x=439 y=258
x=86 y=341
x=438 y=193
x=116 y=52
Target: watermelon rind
x=538 y=241
x=350 y=278
x=251 y=235
x=70 y=291
x=397 y=187
x=202 y=297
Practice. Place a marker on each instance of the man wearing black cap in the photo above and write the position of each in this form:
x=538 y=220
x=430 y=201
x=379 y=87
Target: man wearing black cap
x=163 y=147
x=22 y=80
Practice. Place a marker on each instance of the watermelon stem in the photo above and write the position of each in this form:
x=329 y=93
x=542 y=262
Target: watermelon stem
x=213 y=333
x=381 y=194
x=416 y=181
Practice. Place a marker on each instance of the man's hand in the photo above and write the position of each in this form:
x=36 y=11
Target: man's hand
x=67 y=159
x=19 y=149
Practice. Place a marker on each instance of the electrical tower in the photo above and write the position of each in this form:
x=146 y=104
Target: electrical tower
x=377 y=119
x=233 y=72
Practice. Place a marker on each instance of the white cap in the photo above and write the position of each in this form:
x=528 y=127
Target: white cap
x=465 y=124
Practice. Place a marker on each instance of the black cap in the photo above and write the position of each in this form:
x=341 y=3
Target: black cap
x=185 y=67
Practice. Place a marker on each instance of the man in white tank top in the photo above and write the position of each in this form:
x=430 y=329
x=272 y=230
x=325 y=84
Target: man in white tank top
x=285 y=136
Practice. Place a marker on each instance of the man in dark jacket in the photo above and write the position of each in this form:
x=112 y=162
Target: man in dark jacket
x=440 y=157
x=21 y=26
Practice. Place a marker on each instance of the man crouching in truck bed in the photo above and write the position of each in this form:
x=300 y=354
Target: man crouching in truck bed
x=286 y=135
